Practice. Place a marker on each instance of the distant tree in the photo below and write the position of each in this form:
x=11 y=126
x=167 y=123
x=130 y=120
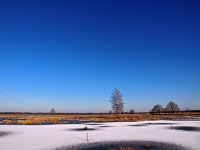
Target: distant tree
x=52 y=111
x=132 y=111
x=157 y=109
x=172 y=107
x=188 y=109
x=110 y=112
x=117 y=102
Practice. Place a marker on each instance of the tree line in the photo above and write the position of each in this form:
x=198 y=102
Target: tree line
x=117 y=105
x=170 y=108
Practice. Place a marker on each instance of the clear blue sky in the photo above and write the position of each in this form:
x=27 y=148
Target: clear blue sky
x=70 y=54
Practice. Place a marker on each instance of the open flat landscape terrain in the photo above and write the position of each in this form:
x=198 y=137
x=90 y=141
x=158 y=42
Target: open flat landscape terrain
x=163 y=134
x=140 y=131
x=99 y=75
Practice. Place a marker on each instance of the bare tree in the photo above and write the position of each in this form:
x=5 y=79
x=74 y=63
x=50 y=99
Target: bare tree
x=116 y=101
x=52 y=111
x=132 y=111
x=172 y=107
x=157 y=109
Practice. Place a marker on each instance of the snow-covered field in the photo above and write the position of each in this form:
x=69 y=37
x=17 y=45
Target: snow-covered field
x=44 y=137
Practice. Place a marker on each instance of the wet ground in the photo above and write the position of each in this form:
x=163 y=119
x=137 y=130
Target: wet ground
x=125 y=145
x=147 y=124
x=4 y=133
x=83 y=129
x=186 y=128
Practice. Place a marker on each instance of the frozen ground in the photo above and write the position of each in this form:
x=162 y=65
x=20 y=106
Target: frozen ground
x=46 y=137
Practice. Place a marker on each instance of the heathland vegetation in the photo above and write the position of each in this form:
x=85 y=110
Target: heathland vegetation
x=58 y=118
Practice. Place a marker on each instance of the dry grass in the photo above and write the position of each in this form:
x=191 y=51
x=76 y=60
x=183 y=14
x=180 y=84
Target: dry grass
x=28 y=119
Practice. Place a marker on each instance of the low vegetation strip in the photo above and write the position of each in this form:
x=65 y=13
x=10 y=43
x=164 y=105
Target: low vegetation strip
x=41 y=119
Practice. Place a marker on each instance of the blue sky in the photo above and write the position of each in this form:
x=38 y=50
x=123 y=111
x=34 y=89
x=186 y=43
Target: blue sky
x=71 y=54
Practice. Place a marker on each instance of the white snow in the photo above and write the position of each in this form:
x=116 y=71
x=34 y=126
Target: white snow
x=40 y=137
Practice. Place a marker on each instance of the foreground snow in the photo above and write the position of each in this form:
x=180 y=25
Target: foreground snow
x=40 y=137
